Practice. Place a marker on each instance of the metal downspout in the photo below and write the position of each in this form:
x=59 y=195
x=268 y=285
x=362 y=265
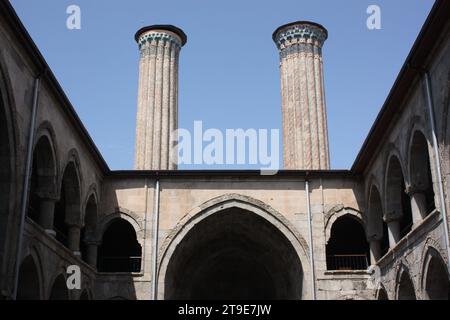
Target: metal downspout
x=311 y=250
x=155 y=242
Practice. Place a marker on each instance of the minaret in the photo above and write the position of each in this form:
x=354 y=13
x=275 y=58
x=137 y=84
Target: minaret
x=157 y=110
x=305 y=135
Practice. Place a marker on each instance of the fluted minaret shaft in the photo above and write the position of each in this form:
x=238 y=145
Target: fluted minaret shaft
x=305 y=134
x=157 y=110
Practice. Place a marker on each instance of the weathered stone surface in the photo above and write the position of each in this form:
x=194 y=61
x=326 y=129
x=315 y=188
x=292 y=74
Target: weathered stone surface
x=157 y=111
x=209 y=204
x=305 y=137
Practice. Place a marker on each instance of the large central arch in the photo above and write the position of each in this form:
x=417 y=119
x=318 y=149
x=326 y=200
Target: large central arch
x=236 y=248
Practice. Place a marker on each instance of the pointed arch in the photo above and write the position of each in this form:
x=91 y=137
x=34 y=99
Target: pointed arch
x=30 y=281
x=120 y=250
x=46 y=130
x=337 y=212
x=347 y=247
x=404 y=285
x=43 y=183
x=91 y=198
x=398 y=203
x=381 y=293
x=59 y=289
x=68 y=208
x=435 y=279
x=129 y=256
x=376 y=226
x=122 y=213
x=90 y=223
x=85 y=295
x=225 y=203
x=420 y=173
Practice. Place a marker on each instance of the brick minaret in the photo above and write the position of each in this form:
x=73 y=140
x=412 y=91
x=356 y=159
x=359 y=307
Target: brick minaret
x=305 y=135
x=157 y=110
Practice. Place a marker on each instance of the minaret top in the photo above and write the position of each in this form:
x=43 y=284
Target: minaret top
x=161 y=31
x=299 y=31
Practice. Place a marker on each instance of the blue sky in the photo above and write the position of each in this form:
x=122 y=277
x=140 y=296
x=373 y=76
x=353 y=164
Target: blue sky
x=229 y=76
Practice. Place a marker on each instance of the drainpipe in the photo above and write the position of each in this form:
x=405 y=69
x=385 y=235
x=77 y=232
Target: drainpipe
x=311 y=250
x=437 y=161
x=155 y=242
x=26 y=182
x=144 y=242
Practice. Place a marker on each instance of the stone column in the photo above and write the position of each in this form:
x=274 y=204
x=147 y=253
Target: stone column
x=91 y=253
x=393 y=224
x=156 y=121
x=73 y=239
x=46 y=214
x=375 y=249
x=305 y=134
x=418 y=203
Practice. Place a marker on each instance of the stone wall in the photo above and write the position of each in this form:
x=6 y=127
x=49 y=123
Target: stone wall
x=187 y=200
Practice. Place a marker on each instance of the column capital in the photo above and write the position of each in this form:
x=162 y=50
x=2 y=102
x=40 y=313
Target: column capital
x=72 y=225
x=46 y=196
x=392 y=216
x=91 y=239
x=93 y=242
x=165 y=33
x=51 y=232
x=412 y=189
x=300 y=32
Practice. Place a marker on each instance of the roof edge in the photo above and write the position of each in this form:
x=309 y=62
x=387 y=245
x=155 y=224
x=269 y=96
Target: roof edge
x=167 y=27
x=45 y=71
x=411 y=70
x=290 y=24
x=231 y=173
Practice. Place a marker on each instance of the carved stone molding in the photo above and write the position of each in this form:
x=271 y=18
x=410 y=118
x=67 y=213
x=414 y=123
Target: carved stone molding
x=302 y=32
x=392 y=216
x=411 y=190
x=158 y=37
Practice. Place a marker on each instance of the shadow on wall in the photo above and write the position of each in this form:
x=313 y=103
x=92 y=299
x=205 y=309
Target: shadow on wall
x=119 y=258
x=7 y=162
x=347 y=248
x=112 y=250
x=234 y=254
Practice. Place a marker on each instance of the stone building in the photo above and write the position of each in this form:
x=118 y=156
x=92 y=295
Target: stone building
x=160 y=233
